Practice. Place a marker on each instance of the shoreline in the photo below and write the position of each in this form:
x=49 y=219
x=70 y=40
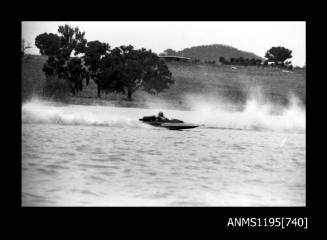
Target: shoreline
x=121 y=103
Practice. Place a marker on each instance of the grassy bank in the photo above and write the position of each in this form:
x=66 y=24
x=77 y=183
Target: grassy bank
x=214 y=81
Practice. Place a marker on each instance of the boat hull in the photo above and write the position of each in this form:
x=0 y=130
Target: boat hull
x=178 y=126
x=173 y=124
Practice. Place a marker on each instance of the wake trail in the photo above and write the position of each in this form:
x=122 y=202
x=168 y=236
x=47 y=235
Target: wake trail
x=39 y=111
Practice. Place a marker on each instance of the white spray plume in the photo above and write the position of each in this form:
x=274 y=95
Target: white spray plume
x=209 y=112
x=257 y=113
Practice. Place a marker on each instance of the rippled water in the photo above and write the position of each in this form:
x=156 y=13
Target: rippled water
x=102 y=156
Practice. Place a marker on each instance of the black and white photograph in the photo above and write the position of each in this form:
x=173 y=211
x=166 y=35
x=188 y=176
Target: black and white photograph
x=163 y=113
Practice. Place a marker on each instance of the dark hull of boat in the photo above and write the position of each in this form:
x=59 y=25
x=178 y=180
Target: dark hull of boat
x=173 y=124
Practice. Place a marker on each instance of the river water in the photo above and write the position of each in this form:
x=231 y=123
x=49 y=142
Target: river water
x=74 y=155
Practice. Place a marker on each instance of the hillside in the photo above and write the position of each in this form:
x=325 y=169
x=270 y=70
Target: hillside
x=214 y=81
x=213 y=52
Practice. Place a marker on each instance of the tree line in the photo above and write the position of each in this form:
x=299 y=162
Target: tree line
x=277 y=56
x=122 y=69
x=241 y=61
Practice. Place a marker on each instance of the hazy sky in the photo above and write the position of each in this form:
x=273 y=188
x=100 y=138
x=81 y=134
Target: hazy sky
x=256 y=37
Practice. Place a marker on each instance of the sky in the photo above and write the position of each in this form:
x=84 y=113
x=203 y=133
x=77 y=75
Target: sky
x=256 y=37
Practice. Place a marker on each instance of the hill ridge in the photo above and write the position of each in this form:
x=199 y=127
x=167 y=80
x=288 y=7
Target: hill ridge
x=212 y=52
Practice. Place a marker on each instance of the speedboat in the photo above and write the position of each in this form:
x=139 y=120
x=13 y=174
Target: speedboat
x=172 y=124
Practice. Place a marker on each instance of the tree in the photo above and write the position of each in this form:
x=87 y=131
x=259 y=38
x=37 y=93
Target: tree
x=258 y=62
x=76 y=73
x=278 y=55
x=71 y=39
x=110 y=71
x=126 y=70
x=290 y=67
x=169 y=52
x=242 y=61
x=196 y=60
x=253 y=62
x=49 y=68
x=94 y=51
x=59 y=49
x=48 y=44
x=223 y=61
x=157 y=76
x=61 y=45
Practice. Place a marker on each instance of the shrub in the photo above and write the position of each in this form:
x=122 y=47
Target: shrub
x=290 y=67
x=56 y=88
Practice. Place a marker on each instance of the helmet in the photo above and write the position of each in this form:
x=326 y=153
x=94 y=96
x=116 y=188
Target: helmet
x=160 y=114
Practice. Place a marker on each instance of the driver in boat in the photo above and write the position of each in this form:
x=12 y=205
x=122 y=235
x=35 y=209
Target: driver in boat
x=161 y=117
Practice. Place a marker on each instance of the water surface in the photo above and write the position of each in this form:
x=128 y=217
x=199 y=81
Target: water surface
x=103 y=156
